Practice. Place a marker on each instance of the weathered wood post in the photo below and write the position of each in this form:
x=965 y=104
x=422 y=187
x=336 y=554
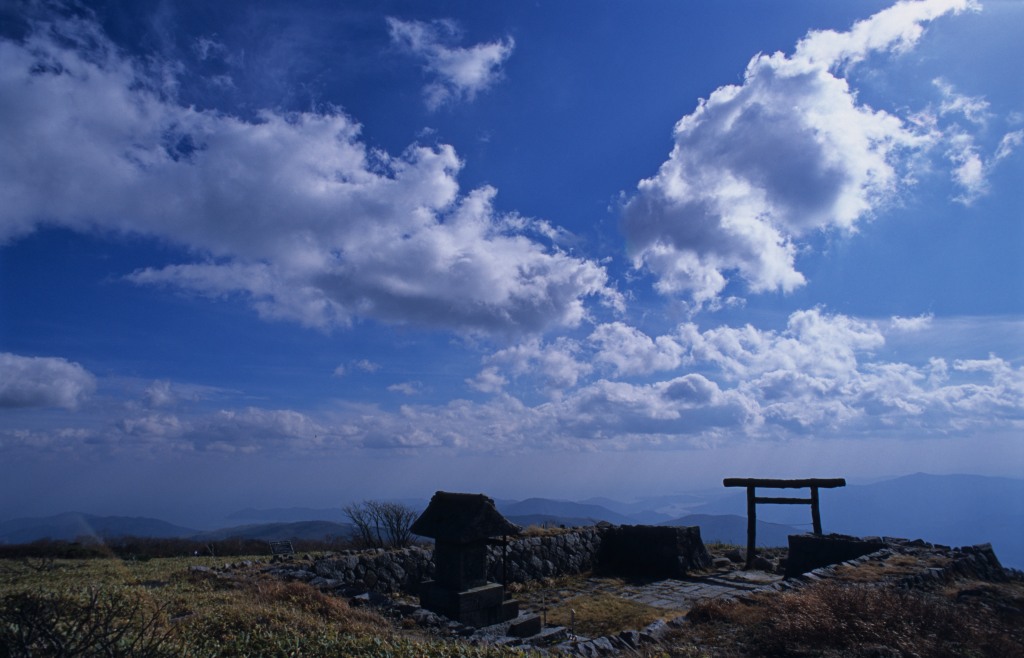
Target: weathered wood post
x=751 y=524
x=752 y=484
x=815 y=511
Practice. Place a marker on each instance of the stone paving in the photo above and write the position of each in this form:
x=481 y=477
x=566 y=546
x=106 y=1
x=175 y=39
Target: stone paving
x=672 y=595
x=681 y=594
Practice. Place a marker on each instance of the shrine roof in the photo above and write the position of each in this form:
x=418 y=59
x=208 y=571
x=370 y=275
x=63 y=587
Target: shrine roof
x=462 y=517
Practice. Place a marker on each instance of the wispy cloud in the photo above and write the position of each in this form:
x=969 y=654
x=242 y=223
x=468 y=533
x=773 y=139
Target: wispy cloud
x=367 y=366
x=911 y=325
x=971 y=166
x=973 y=108
x=407 y=388
x=459 y=73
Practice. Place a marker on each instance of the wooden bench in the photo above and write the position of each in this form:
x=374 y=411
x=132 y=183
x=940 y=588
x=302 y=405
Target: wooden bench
x=281 y=548
x=752 y=500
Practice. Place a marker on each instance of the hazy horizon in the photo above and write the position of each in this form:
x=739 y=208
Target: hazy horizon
x=205 y=513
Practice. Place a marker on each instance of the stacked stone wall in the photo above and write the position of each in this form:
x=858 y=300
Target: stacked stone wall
x=528 y=558
x=531 y=558
x=376 y=571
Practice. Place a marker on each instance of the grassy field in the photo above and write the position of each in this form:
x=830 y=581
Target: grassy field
x=185 y=607
x=166 y=607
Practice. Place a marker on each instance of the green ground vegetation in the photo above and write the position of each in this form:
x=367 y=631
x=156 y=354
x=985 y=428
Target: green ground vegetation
x=186 y=607
x=164 y=607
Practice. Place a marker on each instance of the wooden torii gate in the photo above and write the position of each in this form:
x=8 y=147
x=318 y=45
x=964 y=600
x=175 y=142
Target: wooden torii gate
x=752 y=500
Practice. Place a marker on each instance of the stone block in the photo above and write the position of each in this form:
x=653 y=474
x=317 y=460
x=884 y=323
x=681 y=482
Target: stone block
x=652 y=551
x=809 y=552
x=631 y=638
x=655 y=631
x=479 y=606
x=549 y=636
x=525 y=626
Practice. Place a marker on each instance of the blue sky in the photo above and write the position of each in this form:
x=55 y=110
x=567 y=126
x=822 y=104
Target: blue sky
x=559 y=249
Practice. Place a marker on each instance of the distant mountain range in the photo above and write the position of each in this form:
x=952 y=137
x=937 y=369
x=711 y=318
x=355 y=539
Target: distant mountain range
x=956 y=510
x=75 y=525
x=288 y=515
x=280 y=531
x=726 y=528
x=653 y=510
x=549 y=521
x=732 y=529
x=580 y=513
x=71 y=525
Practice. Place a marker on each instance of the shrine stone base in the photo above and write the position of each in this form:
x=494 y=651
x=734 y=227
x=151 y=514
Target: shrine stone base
x=479 y=606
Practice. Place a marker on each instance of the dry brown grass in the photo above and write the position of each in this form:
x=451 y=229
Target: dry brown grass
x=836 y=619
x=307 y=600
x=893 y=567
x=553 y=587
x=163 y=608
x=604 y=614
x=597 y=613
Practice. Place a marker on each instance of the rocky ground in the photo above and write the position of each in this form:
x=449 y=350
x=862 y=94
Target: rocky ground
x=663 y=611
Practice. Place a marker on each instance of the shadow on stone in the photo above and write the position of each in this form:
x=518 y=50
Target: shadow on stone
x=640 y=551
x=808 y=552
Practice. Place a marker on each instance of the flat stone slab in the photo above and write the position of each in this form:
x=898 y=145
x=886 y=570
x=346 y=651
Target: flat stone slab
x=744 y=578
x=676 y=595
x=682 y=594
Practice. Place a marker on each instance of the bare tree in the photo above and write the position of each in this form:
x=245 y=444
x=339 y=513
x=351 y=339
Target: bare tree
x=397 y=520
x=381 y=524
x=363 y=518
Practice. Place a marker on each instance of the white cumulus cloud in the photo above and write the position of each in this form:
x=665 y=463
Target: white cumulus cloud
x=821 y=375
x=556 y=362
x=631 y=352
x=488 y=380
x=27 y=381
x=760 y=165
x=289 y=210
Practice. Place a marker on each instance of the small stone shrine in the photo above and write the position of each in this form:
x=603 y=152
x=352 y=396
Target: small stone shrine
x=461 y=526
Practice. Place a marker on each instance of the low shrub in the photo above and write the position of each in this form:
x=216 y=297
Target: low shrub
x=90 y=622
